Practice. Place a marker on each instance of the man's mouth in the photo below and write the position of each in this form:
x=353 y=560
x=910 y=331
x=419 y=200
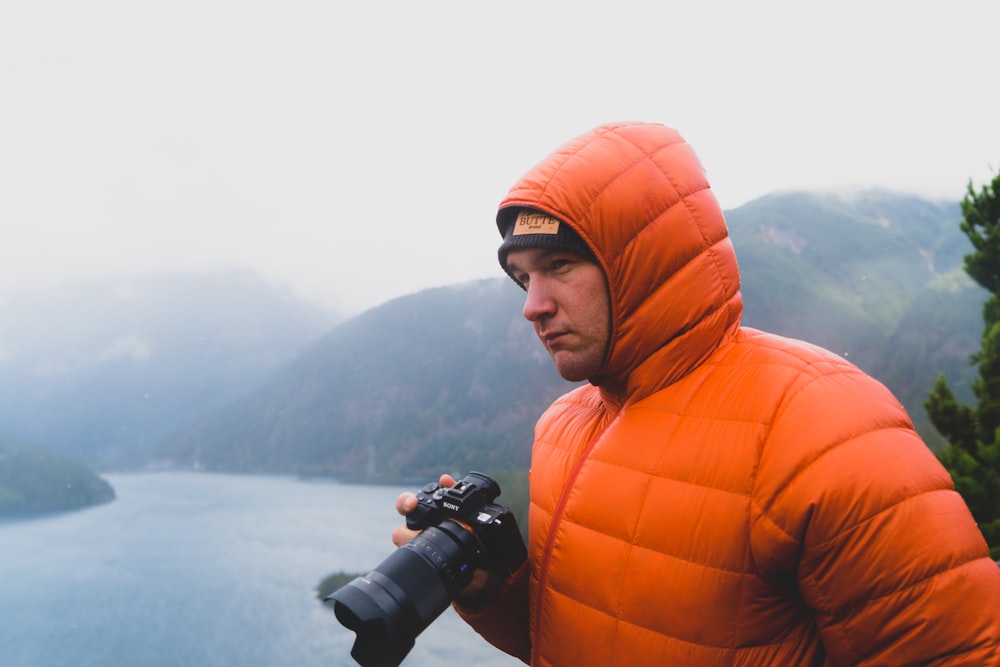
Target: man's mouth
x=552 y=338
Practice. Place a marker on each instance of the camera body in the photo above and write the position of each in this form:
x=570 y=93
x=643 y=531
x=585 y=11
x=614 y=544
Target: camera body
x=461 y=530
x=470 y=502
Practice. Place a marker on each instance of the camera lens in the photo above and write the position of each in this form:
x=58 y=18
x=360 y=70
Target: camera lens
x=396 y=601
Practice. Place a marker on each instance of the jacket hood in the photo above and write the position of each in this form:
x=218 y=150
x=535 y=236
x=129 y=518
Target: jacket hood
x=637 y=194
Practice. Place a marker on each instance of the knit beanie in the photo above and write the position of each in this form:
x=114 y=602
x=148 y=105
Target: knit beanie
x=528 y=228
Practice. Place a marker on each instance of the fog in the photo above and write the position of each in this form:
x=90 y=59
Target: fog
x=356 y=152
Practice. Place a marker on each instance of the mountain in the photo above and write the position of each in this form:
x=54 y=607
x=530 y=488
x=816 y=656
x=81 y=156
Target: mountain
x=97 y=370
x=451 y=376
x=453 y=379
x=873 y=276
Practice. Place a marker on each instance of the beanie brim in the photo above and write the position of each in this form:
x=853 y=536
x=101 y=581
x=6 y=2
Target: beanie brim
x=528 y=228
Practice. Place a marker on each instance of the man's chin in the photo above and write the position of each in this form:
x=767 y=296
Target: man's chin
x=569 y=370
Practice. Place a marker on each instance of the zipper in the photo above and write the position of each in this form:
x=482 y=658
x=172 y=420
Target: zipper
x=543 y=568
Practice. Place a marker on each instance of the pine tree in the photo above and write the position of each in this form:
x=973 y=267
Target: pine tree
x=972 y=455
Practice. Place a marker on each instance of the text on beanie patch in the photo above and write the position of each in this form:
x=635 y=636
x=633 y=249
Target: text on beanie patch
x=533 y=222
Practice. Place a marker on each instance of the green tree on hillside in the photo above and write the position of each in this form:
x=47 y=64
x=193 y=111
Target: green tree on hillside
x=972 y=455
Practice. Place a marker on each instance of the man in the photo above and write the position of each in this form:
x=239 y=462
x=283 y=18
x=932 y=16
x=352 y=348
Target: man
x=714 y=495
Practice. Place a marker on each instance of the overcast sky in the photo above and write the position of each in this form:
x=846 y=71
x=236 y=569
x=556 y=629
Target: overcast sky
x=357 y=151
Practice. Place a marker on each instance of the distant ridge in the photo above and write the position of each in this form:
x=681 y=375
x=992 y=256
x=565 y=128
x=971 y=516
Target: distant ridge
x=100 y=369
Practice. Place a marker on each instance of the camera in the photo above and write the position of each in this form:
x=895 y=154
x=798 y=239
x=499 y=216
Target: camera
x=461 y=530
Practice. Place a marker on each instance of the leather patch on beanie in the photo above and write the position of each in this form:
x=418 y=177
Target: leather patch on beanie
x=533 y=222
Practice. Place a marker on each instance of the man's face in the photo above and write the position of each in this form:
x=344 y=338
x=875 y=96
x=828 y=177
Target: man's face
x=568 y=304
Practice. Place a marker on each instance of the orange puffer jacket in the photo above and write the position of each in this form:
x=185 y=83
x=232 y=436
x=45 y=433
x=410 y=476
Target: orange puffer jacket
x=718 y=495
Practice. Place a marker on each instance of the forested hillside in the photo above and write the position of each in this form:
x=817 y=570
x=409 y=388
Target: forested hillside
x=35 y=481
x=452 y=378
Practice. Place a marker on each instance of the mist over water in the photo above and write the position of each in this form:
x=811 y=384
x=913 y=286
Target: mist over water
x=187 y=569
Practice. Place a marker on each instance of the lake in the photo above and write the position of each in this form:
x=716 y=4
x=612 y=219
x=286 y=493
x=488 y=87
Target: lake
x=202 y=570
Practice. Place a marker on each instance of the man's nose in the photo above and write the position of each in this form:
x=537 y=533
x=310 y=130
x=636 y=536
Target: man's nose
x=539 y=302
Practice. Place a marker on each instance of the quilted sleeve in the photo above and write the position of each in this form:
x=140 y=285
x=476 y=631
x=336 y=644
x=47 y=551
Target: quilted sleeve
x=504 y=622
x=857 y=508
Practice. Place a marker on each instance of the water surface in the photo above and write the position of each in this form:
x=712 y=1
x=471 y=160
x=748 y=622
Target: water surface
x=201 y=570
